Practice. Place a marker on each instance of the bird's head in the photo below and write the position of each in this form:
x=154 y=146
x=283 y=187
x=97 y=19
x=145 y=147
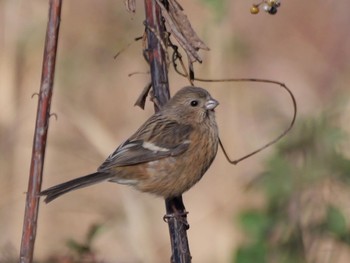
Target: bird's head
x=191 y=104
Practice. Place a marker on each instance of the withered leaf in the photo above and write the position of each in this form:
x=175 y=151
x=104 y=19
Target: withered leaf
x=176 y=11
x=141 y=100
x=130 y=5
x=181 y=29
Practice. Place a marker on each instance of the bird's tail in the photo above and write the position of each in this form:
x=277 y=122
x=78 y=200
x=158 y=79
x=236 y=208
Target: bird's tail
x=60 y=189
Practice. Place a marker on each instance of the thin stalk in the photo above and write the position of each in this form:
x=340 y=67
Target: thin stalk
x=40 y=133
x=157 y=59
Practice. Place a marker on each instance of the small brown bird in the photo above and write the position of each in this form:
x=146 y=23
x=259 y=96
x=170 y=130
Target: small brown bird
x=167 y=155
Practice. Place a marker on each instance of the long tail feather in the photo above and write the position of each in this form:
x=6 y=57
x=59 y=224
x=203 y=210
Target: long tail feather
x=60 y=189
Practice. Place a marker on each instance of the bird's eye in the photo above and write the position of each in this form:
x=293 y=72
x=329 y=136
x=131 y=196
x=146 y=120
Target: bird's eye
x=194 y=103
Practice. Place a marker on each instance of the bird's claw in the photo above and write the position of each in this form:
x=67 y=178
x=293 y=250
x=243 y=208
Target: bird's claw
x=181 y=216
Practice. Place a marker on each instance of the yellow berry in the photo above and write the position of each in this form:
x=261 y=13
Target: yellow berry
x=254 y=10
x=271 y=2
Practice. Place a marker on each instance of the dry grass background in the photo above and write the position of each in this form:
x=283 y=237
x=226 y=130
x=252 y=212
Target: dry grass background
x=306 y=45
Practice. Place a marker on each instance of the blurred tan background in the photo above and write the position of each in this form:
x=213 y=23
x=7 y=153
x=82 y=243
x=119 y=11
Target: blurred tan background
x=305 y=45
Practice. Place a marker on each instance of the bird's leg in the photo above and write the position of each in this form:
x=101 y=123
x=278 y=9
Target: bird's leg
x=176 y=209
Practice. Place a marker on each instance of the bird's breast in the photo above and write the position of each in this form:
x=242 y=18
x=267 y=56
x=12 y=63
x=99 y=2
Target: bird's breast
x=172 y=176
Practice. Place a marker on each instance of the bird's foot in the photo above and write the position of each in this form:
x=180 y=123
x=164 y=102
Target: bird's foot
x=180 y=216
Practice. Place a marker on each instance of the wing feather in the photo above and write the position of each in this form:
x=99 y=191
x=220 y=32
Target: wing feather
x=157 y=138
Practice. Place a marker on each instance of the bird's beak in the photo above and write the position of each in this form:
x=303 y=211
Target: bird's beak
x=211 y=104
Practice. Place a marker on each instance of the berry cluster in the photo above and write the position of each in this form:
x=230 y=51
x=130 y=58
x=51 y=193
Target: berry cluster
x=269 y=6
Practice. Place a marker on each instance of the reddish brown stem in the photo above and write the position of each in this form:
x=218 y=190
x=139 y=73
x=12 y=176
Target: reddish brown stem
x=155 y=32
x=40 y=134
x=175 y=209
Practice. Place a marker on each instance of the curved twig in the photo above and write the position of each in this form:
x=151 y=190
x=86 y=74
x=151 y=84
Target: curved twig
x=177 y=56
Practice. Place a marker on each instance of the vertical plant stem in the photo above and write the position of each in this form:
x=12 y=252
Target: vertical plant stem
x=178 y=227
x=157 y=60
x=40 y=133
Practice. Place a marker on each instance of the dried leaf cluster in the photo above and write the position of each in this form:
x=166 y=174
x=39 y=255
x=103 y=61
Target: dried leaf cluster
x=179 y=26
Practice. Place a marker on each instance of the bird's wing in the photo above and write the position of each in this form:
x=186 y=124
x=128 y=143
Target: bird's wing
x=157 y=138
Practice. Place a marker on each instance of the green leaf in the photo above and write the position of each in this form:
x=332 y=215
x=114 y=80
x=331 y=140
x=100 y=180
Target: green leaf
x=255 y=224
x=278 y=180
x=336 y=222
x=94 y=230
x=255 y=253
x=77 y=247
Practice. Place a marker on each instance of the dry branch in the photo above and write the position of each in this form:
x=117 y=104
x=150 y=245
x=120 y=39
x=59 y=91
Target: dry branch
x=159 y=74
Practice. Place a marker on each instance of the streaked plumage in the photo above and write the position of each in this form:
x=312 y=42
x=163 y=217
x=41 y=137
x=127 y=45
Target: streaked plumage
x=167 y=155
